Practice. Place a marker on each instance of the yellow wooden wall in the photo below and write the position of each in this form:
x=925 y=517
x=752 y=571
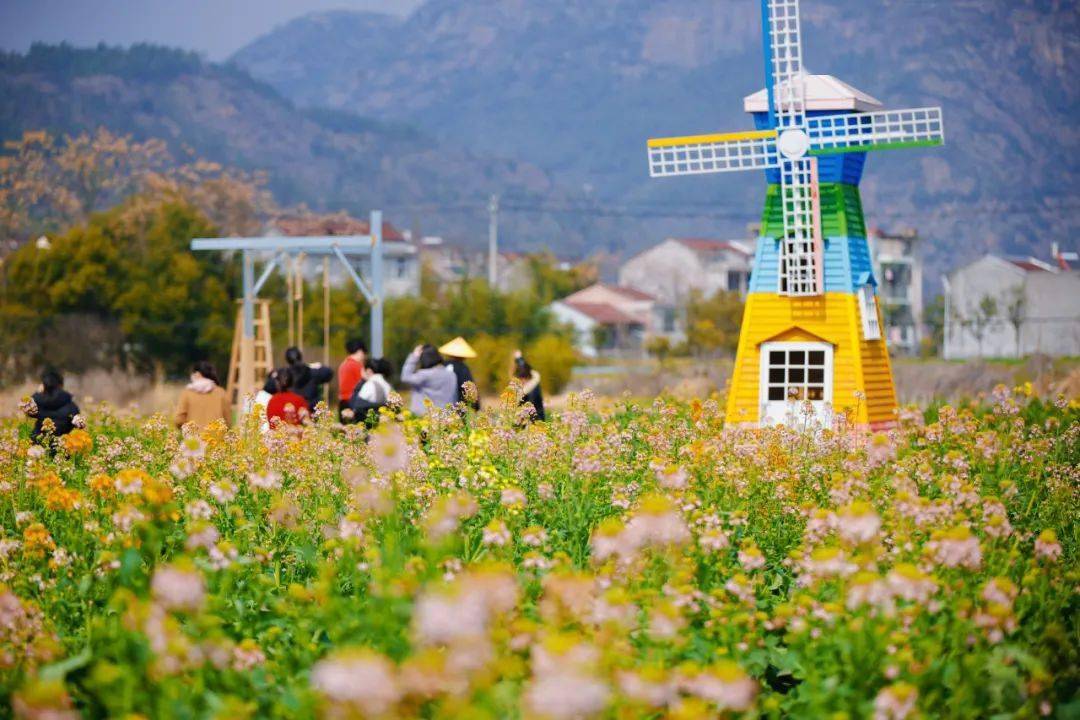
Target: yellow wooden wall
x=834 y=318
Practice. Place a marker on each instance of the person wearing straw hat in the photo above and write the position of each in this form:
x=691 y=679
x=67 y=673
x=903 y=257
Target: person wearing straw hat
x=456 y=352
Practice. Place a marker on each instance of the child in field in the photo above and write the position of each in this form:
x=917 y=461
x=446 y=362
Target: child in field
x=286 y=407
x=203 y=400
x=51 y=402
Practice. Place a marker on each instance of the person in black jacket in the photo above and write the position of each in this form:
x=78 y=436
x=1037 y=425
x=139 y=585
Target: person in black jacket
x=530 y=388
x=456 y=352
x=53 y=403
x=307 y=379
x=372 y=394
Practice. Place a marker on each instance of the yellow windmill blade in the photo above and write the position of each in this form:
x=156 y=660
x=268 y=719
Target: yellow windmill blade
x=701 y=154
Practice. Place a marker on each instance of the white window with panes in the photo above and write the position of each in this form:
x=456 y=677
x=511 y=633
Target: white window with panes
x=793 y=374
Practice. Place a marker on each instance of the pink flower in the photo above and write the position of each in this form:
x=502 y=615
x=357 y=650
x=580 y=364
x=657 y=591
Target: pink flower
x=895 y=702
x=858 y=523
x=177 y=588
x=359 y=679
x=724 y=684
x=956 y=547
x=390 y=449
x=1047 y=546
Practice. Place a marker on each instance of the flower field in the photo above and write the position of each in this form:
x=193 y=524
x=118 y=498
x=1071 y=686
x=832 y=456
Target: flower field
x=631 y=562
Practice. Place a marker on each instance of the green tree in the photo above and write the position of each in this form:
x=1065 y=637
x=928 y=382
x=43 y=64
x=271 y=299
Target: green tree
x=712 y=324
x=129 y=269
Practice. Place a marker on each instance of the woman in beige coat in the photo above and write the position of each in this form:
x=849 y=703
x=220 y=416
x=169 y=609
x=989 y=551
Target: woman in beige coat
x=203 y=401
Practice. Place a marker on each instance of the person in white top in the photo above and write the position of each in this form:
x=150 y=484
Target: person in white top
x=373 y=393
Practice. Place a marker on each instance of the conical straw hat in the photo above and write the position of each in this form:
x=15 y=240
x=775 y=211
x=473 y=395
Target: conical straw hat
x=458 y=348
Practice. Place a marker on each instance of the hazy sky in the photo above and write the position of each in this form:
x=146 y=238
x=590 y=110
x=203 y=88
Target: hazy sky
x=216 y=28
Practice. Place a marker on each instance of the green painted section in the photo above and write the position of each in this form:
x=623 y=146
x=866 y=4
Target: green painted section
x=841 y=212
x=878 y=146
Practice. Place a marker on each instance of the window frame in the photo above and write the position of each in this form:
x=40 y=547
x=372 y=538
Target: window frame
x=828 y=365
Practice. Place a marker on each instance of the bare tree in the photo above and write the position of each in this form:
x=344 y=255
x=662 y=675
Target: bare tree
x=1016 y=313
x=981 y=318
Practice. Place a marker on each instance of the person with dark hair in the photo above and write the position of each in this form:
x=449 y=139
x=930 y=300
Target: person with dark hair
x=203 y=400
x=350 y=373
x=285 y=406
x=530 y=388
x=429 y=378
x=456 y=352
x=307 y=380
x=373 y=393
x=52 y=402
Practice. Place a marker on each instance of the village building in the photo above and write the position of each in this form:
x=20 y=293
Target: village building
x=671 y=270
x=898 y=269
x=611 y=320
x=1013 y=307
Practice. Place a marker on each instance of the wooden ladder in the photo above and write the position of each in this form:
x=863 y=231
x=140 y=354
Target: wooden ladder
x=264 y=351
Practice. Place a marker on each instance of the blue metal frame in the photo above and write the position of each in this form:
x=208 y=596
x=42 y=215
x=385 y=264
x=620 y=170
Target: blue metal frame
x=340 y=246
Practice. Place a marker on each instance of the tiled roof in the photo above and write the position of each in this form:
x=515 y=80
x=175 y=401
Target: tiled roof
x=336 y=224
x=603 y=313
x=1031 y=265
x=706 y=245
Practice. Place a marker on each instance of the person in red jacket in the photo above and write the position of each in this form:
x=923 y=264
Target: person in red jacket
x=350 y=374
x=286 y=407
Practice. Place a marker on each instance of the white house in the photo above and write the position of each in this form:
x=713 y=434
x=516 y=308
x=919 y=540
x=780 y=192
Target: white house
x=672 y=269
x=898 y=269
x=1012 y=307
x=610 y=319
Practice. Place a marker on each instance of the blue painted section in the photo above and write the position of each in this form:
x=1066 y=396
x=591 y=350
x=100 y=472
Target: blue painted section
x=847 y=265
x=766 y=45
x=846 y=168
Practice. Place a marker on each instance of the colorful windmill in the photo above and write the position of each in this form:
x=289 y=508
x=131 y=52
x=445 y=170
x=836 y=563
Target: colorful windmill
x=811 y=333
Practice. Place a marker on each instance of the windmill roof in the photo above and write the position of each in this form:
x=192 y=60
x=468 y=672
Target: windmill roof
x=823 y=92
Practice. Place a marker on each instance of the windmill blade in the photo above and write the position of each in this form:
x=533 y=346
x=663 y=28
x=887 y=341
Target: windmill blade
x=875 y=131
x=702 y=154
x=798 y=272
x=787 y=83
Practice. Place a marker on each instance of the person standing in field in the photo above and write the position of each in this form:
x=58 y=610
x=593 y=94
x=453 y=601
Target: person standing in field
x=203 y=400
x=350 y=373
x=530 y=389
x=429 y=378
x=307 y=380
x=458 y=351
x=51 y=402
x=286 y=407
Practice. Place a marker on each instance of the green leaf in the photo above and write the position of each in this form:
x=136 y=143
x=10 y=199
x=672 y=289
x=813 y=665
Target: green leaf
x=59 y=670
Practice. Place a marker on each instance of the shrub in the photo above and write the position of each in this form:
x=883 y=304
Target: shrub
x=553 y=357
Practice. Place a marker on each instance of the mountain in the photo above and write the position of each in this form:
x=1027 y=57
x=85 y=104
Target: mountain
x=576 y=86
x=328 y=159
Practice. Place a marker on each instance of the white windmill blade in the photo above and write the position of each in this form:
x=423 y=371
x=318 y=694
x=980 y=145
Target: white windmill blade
x=788 y=78
x=800 y=249
x=875 y=131
x=701 y=154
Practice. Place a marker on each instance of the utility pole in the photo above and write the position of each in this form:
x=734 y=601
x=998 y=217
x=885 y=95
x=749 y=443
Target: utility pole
x=493 y=240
